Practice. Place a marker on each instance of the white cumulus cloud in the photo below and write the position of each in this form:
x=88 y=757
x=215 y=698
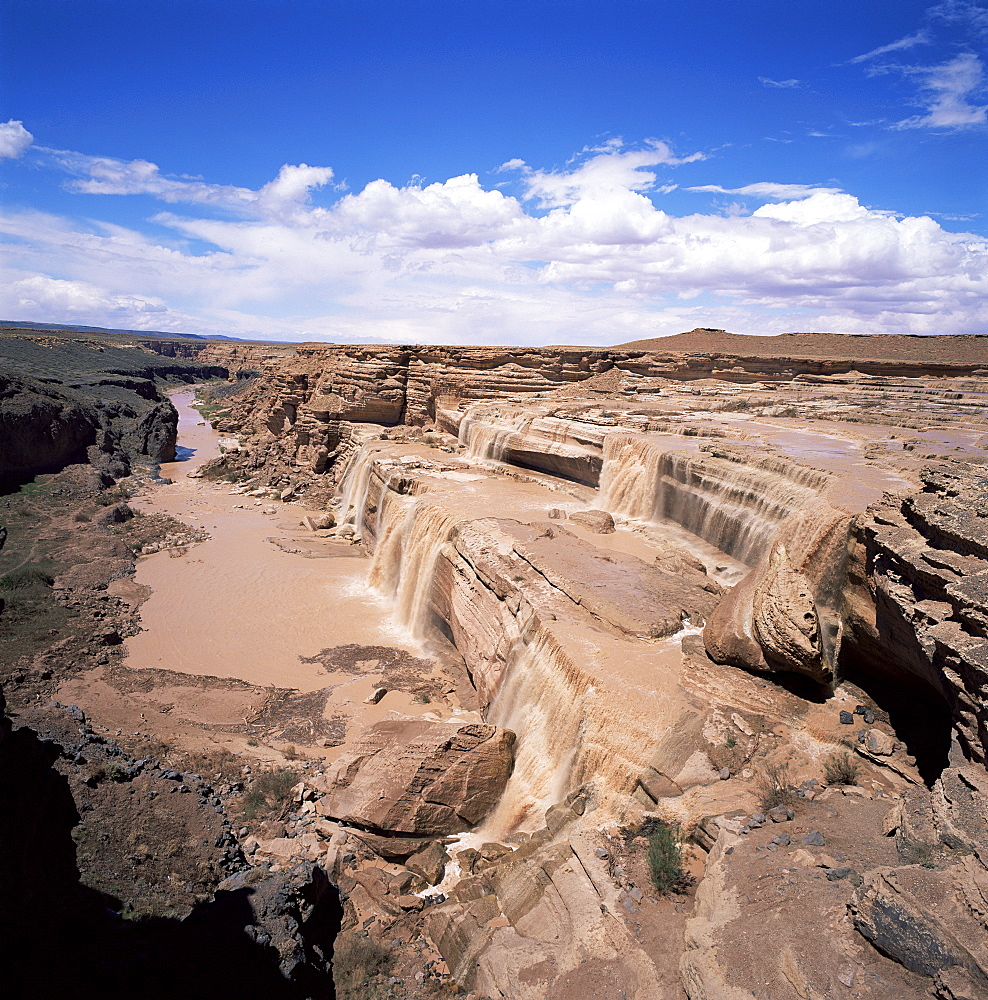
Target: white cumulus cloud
x=609 y=170
x=66 y=300
x=456 y=213
x=14 y=139
x=583 y=255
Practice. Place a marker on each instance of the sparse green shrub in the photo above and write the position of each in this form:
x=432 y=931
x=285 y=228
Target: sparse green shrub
x=268 y=791
x=730 y=741
x=733 y=405
x=113 y=494
x=665 y=861
x=841 y=769
x=114 y=771
x=776 y=788
x=914 y=852
x=26 y=578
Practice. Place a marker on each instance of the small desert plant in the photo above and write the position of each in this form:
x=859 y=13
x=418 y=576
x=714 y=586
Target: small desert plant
x=914 y=852
x=115 y=771
x=665 y=861
x=268 y=791
x=734 y=405
x=841 y=769
x=113 y=494
x=776 y=788
x=359 y=966
x=730 y=741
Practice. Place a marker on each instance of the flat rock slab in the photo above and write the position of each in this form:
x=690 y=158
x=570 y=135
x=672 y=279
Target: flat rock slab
x=633 y=596
x=416 y=777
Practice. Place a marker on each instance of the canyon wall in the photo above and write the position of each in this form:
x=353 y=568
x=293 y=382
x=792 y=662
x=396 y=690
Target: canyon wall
x=66 y=400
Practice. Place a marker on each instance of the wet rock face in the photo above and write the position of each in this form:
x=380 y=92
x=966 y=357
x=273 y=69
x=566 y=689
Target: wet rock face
x=774 y=619
x=418 y=777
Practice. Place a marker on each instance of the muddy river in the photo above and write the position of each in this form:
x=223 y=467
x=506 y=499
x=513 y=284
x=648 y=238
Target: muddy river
x=237 y=605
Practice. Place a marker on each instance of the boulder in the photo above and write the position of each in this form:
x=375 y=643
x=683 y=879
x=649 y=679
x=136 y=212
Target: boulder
x=318 y=522
x=917 y=917
x=430 y=862
x=412 y=776
x=596 y=520
x=880 y=743
x=293 y=912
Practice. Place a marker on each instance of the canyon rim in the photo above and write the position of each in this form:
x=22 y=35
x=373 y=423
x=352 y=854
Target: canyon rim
x=387 y=671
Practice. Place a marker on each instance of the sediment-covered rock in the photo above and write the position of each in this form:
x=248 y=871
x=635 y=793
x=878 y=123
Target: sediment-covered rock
x=782 y=615
x=416 y=777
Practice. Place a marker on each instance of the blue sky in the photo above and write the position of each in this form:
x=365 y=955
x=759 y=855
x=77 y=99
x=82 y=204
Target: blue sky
x=495 y=171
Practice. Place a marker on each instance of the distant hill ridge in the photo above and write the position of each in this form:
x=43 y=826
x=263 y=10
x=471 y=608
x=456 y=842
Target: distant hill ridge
x=968 y=348
x=8 y=324
x=957 y=348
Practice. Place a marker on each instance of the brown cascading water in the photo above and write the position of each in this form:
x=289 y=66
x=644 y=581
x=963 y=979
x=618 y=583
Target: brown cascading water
x=735 y=506
x=532 y=691
x=488 y=439
x=411 y=536
x=355 y=486
x=564 y=681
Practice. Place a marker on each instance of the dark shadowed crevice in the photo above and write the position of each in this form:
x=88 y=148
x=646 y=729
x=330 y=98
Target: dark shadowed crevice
x=917 y=712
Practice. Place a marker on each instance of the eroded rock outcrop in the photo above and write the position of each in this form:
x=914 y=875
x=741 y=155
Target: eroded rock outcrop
x=420 y=778
x=921 y=603
x=782 y=615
